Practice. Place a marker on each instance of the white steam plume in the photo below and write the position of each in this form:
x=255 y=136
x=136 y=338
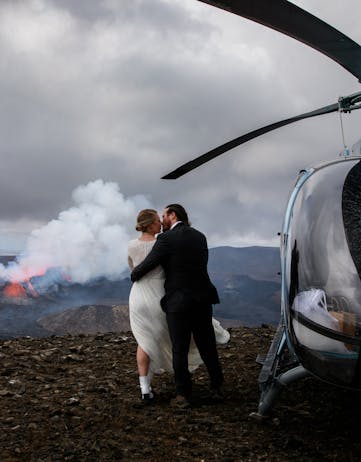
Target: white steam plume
x=87 y=241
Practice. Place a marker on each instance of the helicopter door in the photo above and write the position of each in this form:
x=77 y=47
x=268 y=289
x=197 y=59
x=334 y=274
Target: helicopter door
x=323 y=273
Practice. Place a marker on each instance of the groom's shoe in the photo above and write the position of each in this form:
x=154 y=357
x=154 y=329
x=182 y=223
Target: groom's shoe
x=180 y=402
x=217 y=394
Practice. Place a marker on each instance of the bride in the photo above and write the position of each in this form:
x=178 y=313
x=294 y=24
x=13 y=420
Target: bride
x=147 y=320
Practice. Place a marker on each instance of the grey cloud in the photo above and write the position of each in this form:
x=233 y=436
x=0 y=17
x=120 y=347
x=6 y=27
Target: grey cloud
x=135 y=88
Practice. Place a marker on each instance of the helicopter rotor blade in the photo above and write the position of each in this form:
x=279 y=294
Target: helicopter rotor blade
x=198 y=161
x=295 y=22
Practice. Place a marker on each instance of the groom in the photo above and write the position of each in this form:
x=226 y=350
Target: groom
x=189 y=294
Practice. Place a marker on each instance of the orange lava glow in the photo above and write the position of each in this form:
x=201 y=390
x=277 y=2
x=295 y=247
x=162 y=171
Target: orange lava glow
x=14 y=289
x=31 y=288
x=30 y=272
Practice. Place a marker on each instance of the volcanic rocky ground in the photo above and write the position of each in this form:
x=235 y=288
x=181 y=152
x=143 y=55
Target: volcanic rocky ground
x=75 y=398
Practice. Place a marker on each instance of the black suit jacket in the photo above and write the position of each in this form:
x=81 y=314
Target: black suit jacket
x=183 y=253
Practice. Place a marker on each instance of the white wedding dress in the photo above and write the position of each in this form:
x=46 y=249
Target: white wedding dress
x=148 y=320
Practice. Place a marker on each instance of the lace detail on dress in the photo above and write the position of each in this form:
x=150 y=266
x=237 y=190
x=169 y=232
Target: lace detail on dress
x=138 y=250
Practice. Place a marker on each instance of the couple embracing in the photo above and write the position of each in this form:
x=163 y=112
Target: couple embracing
x=170 y=303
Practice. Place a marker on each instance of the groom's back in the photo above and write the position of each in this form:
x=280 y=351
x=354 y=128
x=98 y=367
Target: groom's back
x=186 y=266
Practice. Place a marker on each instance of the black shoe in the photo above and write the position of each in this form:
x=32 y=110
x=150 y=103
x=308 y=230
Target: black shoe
x=180 y=402
x=147 y=399
x=217 y=395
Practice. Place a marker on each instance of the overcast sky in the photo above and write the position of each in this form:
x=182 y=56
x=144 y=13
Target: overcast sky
x=126 y=90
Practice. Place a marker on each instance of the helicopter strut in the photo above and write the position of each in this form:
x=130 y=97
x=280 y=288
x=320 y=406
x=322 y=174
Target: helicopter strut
x=280 y=367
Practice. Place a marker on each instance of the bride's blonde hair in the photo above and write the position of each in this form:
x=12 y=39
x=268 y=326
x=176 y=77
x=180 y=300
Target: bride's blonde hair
x=145 y=218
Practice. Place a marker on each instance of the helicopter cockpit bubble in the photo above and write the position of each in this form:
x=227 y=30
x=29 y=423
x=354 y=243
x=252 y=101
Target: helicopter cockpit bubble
x=322 y=278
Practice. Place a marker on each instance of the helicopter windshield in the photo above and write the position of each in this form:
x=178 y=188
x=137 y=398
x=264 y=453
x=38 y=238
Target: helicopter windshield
x=323 y=272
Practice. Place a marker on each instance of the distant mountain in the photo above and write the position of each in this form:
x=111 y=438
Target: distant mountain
x=6 y=259
x=248 y=284
x=250 y=301
x=89 y=319
x=246 y=279
x=261 y=263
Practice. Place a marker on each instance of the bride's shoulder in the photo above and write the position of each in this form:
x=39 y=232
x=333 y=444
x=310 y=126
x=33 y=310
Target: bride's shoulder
x=133 y=243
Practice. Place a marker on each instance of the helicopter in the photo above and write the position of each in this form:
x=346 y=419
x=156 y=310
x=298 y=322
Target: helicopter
x=319 y=332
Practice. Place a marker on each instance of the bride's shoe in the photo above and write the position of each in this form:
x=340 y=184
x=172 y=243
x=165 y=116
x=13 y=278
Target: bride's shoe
x=147 y=398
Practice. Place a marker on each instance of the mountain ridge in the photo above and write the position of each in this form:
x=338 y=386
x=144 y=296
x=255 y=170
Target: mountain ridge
x=246 y=279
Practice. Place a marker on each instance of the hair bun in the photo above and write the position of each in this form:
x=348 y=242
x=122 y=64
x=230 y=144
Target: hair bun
x=145 y=218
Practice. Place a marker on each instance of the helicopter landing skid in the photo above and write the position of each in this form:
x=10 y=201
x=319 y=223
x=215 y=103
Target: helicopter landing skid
x=280 y=367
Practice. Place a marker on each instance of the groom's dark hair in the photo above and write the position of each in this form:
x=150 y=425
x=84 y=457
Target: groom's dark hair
x=180 y=212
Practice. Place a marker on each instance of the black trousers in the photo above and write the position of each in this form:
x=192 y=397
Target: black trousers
x=181 y=325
